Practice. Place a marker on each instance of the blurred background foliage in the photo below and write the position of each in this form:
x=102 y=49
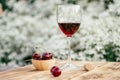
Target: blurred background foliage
x=23 y=24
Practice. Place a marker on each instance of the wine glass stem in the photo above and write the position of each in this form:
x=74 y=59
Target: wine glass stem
x=69 y=49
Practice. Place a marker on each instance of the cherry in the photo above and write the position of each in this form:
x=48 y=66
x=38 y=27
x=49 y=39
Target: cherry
x=36 y=56
x=55 y=71
x=52 y=69
x=46 y=56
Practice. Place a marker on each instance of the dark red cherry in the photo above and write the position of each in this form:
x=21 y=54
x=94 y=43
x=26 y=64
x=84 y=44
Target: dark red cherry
x=52 y=69
x=56 y=72
x=46 y=56
x=36 y=56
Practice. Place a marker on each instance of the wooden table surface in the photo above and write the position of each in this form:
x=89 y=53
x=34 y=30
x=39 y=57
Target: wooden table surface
x=102 y=71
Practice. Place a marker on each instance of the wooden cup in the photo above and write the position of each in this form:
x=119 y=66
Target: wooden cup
x=43 y=64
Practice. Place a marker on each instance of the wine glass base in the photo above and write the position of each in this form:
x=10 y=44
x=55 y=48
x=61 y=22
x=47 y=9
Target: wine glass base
x=68 y=67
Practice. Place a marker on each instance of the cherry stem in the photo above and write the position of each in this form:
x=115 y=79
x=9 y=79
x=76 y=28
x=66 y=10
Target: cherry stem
x=39 y=49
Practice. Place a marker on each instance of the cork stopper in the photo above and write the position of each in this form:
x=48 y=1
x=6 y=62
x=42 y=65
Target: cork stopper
x=88 y=67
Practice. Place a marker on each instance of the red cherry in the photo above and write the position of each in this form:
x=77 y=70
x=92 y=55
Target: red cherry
x=46 y=56
x=52 y=69
x=36 y=56
x=56 y=72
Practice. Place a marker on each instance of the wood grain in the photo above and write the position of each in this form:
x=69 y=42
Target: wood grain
x=102 y=71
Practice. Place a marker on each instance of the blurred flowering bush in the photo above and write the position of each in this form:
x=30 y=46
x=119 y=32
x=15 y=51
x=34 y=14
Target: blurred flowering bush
x=28 y=24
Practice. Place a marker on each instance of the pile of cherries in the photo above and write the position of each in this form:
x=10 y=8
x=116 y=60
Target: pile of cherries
x=45 y=56
x=55 y=70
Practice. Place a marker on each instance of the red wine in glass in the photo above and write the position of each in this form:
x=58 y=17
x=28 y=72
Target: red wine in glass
x=69 y=28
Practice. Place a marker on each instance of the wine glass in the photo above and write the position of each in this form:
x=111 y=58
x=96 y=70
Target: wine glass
x=68 y=18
